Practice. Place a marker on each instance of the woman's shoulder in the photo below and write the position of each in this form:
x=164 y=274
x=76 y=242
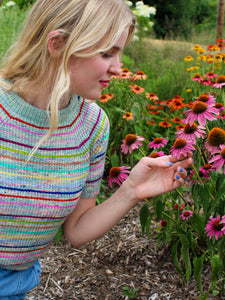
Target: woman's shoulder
x=94 y=109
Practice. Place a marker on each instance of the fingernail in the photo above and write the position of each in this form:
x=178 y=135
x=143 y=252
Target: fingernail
x=177 y=177
x=169 y=163
x=181 y=170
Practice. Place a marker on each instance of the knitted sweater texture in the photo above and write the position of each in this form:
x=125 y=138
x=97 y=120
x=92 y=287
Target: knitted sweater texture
x=37 y=196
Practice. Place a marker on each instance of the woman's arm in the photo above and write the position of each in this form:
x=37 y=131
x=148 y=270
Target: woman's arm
x=149 y=178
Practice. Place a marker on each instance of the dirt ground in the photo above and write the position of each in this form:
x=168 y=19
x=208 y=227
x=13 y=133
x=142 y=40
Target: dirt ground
x=122 y=258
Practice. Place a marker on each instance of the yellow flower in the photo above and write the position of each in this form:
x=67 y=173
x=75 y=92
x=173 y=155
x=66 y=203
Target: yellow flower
x=202 y=57
x=188 y=58
x=218 y=58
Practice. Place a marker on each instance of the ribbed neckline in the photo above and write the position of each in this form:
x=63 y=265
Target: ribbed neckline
x=39 y=117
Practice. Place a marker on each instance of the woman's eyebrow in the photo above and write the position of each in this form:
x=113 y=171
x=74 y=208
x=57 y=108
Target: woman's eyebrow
x=117 y=48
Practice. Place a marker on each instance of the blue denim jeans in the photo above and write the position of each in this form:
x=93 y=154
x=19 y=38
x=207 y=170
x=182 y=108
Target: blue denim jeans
x=15 y=284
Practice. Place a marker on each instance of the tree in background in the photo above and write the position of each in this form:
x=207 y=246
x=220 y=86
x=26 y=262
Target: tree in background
x=180 y=17
x=220 y=19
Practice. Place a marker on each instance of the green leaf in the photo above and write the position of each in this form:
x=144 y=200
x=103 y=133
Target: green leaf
x=198 y=265
x=148 y=224
x=220 y=181
x=186 y=257
x=175 y=257
x=220 y=193
x=217 y=266
x=195 y=194
x=144 y=213
x=58 y=235
x=114 y=160
x=204 y=197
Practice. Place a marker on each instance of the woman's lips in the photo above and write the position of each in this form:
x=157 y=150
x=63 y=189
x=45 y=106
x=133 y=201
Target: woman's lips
x=105 y=83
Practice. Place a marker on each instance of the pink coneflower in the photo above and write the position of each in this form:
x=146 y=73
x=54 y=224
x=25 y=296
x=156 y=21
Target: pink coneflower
x=219 y=106
x=220 y=82
x=201 y=112
x=223 y=223
x=216 y=137
x=201 y=173
x=205 y=170
x=205 y=82
x=118 y=175
x=157 y=143
x=206 y=98
x=214 y=228
x=190 y=133
x=210 y=75
x=131 y=142
x=186 y=214
x=157 y=154
x=218 y=160
x=163 y=223
x=181 y=146
x=197 y=77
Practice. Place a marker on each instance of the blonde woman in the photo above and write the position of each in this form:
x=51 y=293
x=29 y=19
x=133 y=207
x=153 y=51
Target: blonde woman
x=53 y=141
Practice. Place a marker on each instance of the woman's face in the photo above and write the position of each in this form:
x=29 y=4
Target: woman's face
x=90 y=75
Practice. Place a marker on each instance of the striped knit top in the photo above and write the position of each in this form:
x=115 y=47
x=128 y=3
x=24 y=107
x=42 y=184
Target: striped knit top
x=36 y=197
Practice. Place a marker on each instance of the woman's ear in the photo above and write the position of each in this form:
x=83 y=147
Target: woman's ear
x=56 y=43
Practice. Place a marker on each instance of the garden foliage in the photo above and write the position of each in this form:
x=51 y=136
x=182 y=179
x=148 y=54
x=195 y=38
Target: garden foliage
x=191 y=219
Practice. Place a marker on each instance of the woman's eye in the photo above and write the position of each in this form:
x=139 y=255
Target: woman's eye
x=107 y=55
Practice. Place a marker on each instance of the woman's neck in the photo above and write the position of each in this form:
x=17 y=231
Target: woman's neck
x=39 y=96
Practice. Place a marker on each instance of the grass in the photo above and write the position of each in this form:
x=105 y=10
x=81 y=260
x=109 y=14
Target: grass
x=11 y=21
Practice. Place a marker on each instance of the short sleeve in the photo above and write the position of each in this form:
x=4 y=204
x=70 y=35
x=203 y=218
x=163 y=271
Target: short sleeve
x=97 y=158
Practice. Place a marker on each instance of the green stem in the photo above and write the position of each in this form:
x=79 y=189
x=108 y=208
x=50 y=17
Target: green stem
x=182 y=197
x=142 y=152
x=168 y=216
x=201 y=155
x=197 y=174
x=207 y=128
x=146 y=200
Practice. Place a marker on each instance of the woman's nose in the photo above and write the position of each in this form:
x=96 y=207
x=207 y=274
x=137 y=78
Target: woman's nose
x=115 y=67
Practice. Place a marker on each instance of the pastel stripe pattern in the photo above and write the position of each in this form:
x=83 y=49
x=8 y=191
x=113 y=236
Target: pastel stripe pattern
x=37 y=196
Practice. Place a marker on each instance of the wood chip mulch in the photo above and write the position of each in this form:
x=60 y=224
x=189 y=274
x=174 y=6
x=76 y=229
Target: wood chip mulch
x=122 y=258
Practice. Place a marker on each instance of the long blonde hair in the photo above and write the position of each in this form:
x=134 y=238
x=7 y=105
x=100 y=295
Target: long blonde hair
x=83 y=23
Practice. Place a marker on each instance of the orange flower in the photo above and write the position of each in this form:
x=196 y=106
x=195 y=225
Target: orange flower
x=177 y=120
x=128 y=116
x=176 y=103
x=139 y=76
x=136 y=89
x=106 y=97
x=164 y=124
x=152 y=122
x=154 y=112
x=151 y=96
x=179 y=127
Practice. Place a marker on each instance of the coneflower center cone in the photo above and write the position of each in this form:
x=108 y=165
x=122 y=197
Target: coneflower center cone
x=220 y=79
x=179 y=143
x=130 y=139
x=114 y=171
x=190 y=129
x=217 y=226
x=223 y=153
x=199 y=107
x=203 y=98
x=158 y=140
x=216 y=136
